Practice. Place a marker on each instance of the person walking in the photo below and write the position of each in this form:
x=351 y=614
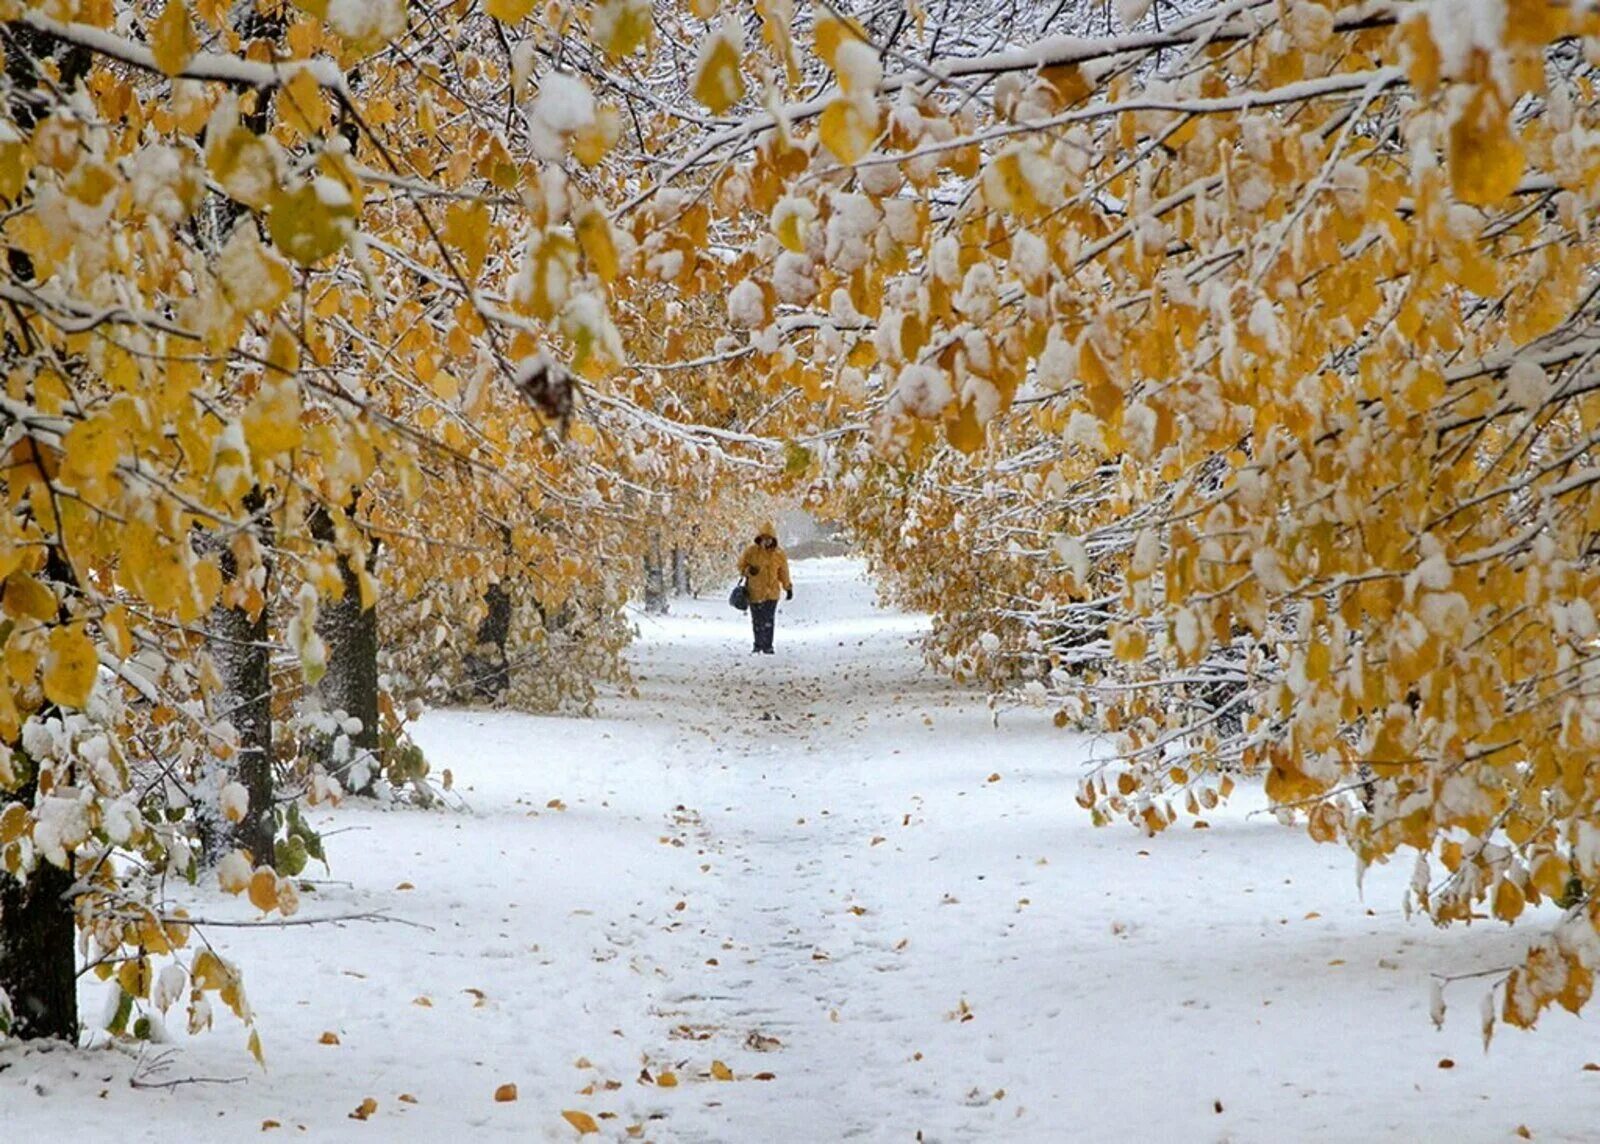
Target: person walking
x=765 y=569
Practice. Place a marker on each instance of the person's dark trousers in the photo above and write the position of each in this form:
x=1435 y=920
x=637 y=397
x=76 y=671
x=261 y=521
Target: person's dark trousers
x=763 y=619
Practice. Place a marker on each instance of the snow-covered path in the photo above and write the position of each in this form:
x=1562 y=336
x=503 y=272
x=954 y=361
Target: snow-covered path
x=835 y=877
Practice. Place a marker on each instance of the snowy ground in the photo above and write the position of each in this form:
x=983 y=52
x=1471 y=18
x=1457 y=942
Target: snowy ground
x=798 y=867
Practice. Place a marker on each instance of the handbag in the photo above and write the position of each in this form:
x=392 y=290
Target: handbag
x=740 y=596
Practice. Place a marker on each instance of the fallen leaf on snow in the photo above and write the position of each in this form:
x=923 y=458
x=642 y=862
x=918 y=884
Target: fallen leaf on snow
x=365 y=1109
x=328 y=1039
x=582 y=1121
x=505 y=1094
x=721 y=1071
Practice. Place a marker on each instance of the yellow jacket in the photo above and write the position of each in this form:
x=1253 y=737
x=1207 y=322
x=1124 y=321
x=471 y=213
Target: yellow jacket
x=766 y=570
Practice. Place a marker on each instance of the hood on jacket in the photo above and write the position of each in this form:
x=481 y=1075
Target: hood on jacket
x=767 y=529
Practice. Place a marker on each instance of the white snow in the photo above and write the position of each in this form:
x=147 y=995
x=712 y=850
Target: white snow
x=234 y=801
x=747 y=306
x=367 y=21
x=840 y=896
x=858 y=65
x=565 y=103
x=564 y=106
x=923 y=390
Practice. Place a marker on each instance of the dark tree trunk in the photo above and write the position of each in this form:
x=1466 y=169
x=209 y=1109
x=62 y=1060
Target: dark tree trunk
x=489 y=666
x=655 y=578
x=242 y=650
x=351 y=635
x=38 y=934
x=680 y=572
x=38 y=951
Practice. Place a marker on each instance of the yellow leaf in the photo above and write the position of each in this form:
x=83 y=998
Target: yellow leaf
x=622 y=27
x=210 y=972
x=594 y=236
x=582 y=1121
x=505 y=1094
x=305 y=227
x=717 y=81
x=590 y=143
x=328 y=1038
x=365 y=1109
x=962 y=430
x=721 y=1071
x=172 y=39
x=508 y=11
x=264 y=889
x=466 y=229
x=134 y=976
x=70 y=667
x=667 y=1080
x=830 y=32
x=118 y=635
x=1486 y=161
x=1128 y=642
x=301 y=104
x=243 y=163
x=14 y=164
x=254 y=1045
x=1508 y=900
x=848 y=127
x=271 y=421
x=27 y=597
x=252 y=276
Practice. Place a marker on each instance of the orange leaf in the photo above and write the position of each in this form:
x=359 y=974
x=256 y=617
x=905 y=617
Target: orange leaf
x=582 y=1121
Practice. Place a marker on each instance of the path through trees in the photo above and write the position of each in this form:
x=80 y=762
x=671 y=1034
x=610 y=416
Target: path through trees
x=822 y=896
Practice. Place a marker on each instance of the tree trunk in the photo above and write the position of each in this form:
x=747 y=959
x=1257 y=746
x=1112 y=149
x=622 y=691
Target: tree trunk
x=241 y=648
x=655 y=578
x=680 y=571
x=38 y=951
x=351 y=682
x=38 y=933
x=488 y=665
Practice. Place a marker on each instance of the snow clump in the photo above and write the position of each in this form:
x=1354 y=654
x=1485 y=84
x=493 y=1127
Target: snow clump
x=747 y=306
